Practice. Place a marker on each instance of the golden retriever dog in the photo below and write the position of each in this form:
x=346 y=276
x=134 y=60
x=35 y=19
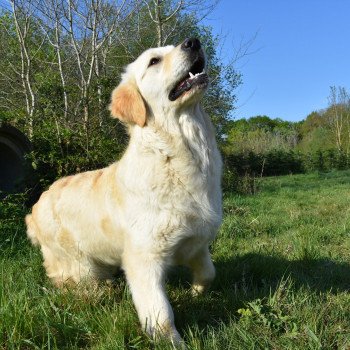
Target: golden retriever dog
x=159 y=205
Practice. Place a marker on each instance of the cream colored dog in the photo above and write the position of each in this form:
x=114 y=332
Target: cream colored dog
x=158 y=206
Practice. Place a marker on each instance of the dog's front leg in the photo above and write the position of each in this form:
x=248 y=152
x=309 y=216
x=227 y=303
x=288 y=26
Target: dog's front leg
x=145 y=276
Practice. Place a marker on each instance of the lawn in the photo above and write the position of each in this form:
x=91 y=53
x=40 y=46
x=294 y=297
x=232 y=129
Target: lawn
x=283 y=280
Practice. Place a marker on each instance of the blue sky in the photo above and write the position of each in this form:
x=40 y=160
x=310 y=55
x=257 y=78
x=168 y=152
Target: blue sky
x=302 y=47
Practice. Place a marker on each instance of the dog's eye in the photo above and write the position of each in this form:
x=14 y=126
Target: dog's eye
x=154 y=61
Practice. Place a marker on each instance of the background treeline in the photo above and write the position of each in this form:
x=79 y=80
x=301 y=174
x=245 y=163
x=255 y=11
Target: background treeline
x=60 y=60
x=261 y=146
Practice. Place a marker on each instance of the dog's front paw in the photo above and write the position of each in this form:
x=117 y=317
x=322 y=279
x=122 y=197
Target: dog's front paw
x=168 y=332
x=177 y=341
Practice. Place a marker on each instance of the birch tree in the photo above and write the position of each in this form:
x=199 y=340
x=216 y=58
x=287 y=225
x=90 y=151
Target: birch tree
x=82 y=33
x=339 y=117
x=166 y=15
x=22 y=14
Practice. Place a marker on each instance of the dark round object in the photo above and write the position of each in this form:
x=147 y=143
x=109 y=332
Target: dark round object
x=13 y=147
x=192 y=44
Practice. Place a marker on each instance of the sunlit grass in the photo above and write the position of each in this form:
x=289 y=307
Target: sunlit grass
x=283 y=281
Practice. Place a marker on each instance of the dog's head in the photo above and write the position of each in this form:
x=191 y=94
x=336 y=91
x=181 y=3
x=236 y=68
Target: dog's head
x=159 y=80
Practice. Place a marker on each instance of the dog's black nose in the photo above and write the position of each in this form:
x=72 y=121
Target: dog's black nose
x=191 y=44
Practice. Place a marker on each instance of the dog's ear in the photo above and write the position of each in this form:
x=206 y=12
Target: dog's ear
x=127 y=104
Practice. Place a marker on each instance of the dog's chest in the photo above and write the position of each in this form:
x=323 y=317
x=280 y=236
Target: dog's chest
x=189 y=190
x=174 y=186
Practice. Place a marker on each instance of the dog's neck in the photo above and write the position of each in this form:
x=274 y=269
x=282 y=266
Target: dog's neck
x=186 y=134
x=185 y=145
x=190 y=125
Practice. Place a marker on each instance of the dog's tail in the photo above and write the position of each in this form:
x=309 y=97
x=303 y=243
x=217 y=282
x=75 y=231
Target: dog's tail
x=31 y=229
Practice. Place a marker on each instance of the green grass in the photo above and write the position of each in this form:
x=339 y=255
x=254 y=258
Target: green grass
x=283 y=280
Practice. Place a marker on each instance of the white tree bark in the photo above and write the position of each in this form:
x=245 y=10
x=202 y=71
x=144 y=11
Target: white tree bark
x=22 y=29
x=339 y=108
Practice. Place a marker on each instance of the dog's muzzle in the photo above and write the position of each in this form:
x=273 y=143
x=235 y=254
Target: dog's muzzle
x=196 y=76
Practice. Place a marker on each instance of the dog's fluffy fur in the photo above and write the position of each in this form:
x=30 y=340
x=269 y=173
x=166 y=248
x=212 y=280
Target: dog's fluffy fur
x=158 y=206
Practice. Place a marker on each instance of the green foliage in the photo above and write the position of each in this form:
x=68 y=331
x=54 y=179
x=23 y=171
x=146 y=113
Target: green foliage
x=242 y=184
x=83 y=137
x=259 y=135
x=12 y=208
x=269 y=313
x=69 y=152
x=12 y=212
x=273 y=163
x=316 y=133
x=260 y=146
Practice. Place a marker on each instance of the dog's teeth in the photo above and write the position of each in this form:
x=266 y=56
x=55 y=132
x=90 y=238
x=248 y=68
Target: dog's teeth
x=195 y=75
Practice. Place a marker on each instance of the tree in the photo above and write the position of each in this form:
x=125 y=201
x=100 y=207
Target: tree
x=29 y=47
x=260 y=135
x=77 y=50
x=338 y=114
x=167 y=16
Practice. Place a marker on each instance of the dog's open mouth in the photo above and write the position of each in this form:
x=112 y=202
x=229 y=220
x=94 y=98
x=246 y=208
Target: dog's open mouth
x=195 y=77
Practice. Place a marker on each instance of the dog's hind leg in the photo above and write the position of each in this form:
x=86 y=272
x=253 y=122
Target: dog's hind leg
x=63 y=260
x=31 y=229
x=62 y=269
x=203 y=271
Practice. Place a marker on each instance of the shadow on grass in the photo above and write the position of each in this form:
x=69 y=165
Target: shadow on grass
x=248 y=277
x=261 y=270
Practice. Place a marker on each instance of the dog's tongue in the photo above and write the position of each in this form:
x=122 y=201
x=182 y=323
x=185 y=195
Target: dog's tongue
x=186 y=84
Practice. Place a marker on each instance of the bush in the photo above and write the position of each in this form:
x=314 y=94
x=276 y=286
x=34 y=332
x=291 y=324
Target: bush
x=327 y=160
x=232 y=182
x=12 y=212
x=273 y=163
x=280 y=162
x=69 y=152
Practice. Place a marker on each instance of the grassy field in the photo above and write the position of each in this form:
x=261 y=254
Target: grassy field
x=283 y=280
